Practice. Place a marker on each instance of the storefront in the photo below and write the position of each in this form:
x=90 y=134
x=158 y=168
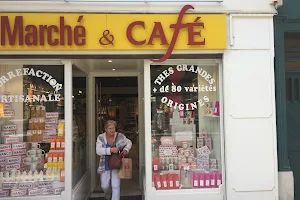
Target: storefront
x=205 y=128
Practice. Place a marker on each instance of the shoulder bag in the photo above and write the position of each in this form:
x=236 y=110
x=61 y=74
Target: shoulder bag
x=115 y=159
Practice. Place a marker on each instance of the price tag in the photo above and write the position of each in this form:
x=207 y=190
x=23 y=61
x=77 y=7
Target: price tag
x=196 y=183
x=17 y=193
x=207 y=183
x=212 y=182
x=158 y=185
x=201 y=183
x=9 y=140
x=9 y=127
x=4 y=147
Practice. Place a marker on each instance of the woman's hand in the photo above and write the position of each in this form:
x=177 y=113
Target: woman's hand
x=114 y=150
x=124 y=152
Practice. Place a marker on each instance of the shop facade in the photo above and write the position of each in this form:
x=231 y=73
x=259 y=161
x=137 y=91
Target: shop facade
x=206 y=95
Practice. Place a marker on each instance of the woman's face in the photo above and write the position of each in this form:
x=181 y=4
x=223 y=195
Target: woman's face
x=110 y=129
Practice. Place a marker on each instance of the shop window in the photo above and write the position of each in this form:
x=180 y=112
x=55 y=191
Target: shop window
x=186 y=138
x=292 y=66
x=32 y=130
x=292 y=41
x=292 y=48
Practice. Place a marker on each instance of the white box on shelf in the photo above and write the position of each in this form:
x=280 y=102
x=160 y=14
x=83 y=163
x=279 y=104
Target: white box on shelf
x=184 y=133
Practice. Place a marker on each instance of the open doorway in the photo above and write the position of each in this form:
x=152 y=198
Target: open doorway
x=117 y=99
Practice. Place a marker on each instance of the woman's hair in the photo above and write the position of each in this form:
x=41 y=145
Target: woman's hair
x=110 y=122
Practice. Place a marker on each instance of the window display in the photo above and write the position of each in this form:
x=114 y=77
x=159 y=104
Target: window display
x=32 y=130
x=185 y=117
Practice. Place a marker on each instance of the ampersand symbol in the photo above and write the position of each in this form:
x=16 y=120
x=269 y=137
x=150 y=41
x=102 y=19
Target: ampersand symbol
x=106 y=38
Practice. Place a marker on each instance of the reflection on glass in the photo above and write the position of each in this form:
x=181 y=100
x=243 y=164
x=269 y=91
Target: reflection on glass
x=185 y=109
x=291 y=49
x=79 y=126
x=291 y=41
x=32 y=130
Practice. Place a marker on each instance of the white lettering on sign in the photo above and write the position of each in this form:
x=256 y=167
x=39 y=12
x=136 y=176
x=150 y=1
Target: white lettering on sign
x=9 y=127
x=9 y=186
x=8 y=133
x=173 y=88
x=27 y=98
x=17 y=152
x=4 y=193
x=31 y=72
x=201 y=88
x=17 y=193
x=184 y=68
x=45 y=184
x=188 y=106
x=12 y=166
x=26 y=185
x=179 y=88
x=19 y=145
x=8 y=140
x=4 y=147
x=12 y=160
x=52 y=114
x=35 y=192
x=5 y=154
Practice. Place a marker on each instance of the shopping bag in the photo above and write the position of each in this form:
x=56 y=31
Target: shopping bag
x=126 y=169
x=115 y=159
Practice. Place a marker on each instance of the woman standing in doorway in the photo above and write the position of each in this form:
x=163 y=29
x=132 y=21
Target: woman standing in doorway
x=104 y=148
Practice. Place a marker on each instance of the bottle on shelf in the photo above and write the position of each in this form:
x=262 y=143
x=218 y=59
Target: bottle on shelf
x=62 y=175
